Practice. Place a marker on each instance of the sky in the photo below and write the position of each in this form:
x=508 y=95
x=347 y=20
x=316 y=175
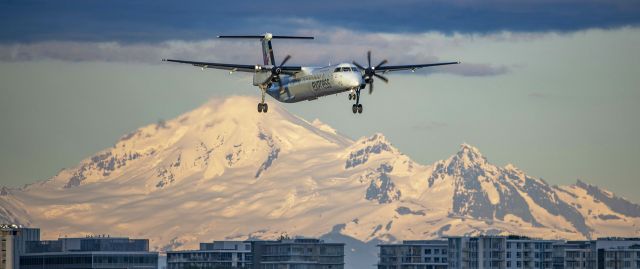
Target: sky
x=550 y=86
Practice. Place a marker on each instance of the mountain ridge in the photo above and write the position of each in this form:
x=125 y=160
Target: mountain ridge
x=223 y=171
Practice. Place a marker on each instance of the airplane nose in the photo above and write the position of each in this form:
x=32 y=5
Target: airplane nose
x=354 y=81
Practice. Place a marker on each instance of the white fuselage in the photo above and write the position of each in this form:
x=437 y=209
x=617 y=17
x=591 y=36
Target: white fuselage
x=311 y=83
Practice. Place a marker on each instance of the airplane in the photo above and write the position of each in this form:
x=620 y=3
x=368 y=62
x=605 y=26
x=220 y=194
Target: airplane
x=291 y=84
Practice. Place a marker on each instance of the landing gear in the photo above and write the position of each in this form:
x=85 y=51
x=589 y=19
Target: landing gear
x=357 y=107
x=262 y=106
x=352 y=96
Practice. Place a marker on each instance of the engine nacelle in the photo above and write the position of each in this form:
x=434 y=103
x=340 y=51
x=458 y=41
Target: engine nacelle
x=261 y=76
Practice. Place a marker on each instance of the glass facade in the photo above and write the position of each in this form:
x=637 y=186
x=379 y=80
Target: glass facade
x=89 y=253
x=89 y=260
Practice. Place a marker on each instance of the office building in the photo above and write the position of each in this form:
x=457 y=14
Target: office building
x=414 y=254
x=299 y=253
x=218 y=254
x=511 y=252
x=603 y=253
x=525 y=252
x=13 y=243
x=89 y=252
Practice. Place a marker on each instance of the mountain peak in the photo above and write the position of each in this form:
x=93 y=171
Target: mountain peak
x=378 y=137
x=469 y=154
x=366 y=147
x=375 y=139
x=513 y=167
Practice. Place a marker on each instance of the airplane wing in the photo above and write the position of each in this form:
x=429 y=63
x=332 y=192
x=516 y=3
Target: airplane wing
x=235 y=67
x=412 y=67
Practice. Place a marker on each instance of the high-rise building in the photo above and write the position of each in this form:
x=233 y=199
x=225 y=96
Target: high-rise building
x=414 y=254
x=218 y=254
x=13 y=242
x=89 y=252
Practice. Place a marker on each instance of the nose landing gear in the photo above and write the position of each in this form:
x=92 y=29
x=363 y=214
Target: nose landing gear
x=262 y=106
x=352 y=95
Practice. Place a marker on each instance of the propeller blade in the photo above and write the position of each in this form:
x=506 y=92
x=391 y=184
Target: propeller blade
x=386 y=80
x=359 y=66
x=381 y=63
x=285 y=60
x=369 y=57
x=371 y=87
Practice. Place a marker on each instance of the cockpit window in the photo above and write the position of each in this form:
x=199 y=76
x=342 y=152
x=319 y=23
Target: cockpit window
x=346 y=69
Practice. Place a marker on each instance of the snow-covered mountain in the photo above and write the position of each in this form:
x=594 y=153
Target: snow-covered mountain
x=223 y=171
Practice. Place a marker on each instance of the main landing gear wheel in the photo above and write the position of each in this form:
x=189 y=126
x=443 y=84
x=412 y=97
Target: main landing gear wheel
x=356 y=108
x=263 y=107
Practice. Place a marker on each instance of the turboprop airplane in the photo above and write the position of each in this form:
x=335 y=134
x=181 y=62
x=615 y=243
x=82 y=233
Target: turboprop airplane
x=290 y=84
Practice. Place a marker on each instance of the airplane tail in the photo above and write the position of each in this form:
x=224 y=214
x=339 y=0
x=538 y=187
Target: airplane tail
x=267 y=48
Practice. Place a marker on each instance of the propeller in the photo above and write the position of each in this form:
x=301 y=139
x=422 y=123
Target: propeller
x=370 y=72
x=275 y=73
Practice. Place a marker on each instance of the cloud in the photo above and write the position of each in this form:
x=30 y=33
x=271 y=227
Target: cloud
x=160 y=20
x=333 y=46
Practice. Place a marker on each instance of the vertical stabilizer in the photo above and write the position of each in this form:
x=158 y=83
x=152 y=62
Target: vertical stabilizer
x=267 y=48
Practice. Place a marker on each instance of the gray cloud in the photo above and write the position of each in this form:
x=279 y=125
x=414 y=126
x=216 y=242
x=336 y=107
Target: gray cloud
x=148 y=21
x=337 y=45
